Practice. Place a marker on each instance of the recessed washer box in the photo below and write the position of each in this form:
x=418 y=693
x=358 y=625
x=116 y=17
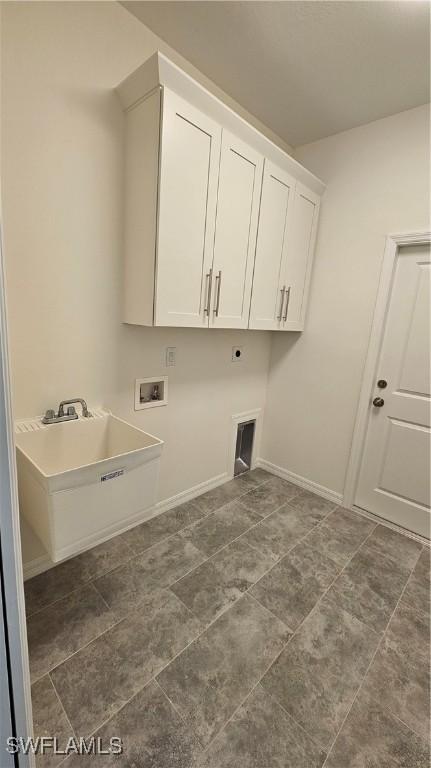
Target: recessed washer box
x=144 y=390
x=81 y=482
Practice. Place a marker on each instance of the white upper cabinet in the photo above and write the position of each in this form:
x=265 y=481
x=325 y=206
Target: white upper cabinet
x=208 y=243
x=300 y=257
x=275 y=222
x=189 y=165
x=239 y=188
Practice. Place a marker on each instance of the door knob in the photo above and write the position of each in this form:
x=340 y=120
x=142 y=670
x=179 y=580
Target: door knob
x=378 y=402
x=382 y=383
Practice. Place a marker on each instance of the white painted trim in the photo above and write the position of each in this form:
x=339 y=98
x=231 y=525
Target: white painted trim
x=257 y=414
x=158 y=70
x=393 y=244
x=190 y=494
x=302 y=482
x=36 y=566
x=10 y=537
x=44 y=562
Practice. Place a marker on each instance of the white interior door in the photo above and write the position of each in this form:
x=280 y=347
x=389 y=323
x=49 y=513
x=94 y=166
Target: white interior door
x=300 y=257
x=395 y=475
x=275 y=222
x=235 y=236
x=190 y=152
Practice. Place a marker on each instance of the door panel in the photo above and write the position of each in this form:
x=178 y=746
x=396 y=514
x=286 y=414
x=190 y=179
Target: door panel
x=235 y=235
x=415 y=370
x=190 y=149
x=275 y=217
x=300 y=256
x=407 y=445
x=395 y=475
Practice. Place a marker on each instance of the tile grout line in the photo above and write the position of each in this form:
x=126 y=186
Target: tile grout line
x=207 y=626
x=134 y=554
x=81 y=648
x=287 y=643
x=389 y=711
x=153 y=678
x=82 y=584
x=210 y=557
x=168 y=587
x=128 y=614
x=189 y=728
x=321 y=598
x=226 y=723
x=261 y=605
x=61 y=705
x=290 y=550
x=369 y=667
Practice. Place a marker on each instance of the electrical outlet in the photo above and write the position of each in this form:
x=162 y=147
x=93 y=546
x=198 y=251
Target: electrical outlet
x=171 y=356
x=237 y=354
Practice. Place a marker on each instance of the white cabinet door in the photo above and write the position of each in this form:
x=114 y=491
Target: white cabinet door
x=235 y=236
x=300 y=257
x=190 y=151
x=275 y=221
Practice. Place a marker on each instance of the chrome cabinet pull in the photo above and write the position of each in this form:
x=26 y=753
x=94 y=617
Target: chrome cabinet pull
x=282 y=291
x=209 y=279
x=287 y=303
x=217 y=305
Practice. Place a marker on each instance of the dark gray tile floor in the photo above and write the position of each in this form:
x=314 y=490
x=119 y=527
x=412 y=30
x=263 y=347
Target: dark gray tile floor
x=257 y=626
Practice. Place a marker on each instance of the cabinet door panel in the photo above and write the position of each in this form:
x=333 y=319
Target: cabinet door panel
x=274 y=226
x=235 y=236
x=190 y=149
x=300 y=256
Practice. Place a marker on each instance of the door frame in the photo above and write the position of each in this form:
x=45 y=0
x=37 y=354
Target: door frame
x=13 y=605
x=392 y=247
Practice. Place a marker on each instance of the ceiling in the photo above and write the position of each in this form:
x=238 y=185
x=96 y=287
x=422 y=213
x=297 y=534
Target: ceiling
x=305 y=69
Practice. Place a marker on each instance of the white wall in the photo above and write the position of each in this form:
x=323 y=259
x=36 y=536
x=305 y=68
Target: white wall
x=62 y=169
x=378 y=183
x=62 y=194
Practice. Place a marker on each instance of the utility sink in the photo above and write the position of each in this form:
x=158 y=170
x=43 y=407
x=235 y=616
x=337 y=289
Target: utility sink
x=81 y=482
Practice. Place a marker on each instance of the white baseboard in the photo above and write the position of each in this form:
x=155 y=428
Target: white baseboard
x=191 y=493
x=44 y=562
x=307 y=485
x=36 y=566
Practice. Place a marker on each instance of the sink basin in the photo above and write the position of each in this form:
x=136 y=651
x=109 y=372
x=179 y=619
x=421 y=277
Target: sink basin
x=81 y=482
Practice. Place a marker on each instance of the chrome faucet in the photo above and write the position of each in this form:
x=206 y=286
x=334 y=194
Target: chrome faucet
x=51 y=417
x=85 y=412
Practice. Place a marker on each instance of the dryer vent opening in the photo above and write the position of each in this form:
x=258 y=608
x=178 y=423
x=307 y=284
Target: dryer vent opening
x=244 y=447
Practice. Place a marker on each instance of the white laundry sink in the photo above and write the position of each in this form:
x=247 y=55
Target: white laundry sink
x=80 y=482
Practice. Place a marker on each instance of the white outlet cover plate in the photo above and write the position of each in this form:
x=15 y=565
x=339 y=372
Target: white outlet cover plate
x=235 y=356
x=171 y=356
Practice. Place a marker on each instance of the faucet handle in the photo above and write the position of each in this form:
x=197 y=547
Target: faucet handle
x=71 y=411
